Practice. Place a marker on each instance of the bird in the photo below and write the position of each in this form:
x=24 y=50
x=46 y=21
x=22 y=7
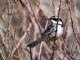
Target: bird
x=54 y=30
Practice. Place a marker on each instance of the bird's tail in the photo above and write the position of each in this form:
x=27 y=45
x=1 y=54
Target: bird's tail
x=35 y=43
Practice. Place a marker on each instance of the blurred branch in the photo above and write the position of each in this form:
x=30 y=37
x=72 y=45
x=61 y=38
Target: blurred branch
x=40 y=51
x=72 y=23
x=59 y=8
x=22 y=38
x=54 y=44
x=31 y=22
x=8 y=34
x=58 y=17
x=66 y=51
x=33 y=16
x=3 y=50
x=28 y=31
x=39 y=57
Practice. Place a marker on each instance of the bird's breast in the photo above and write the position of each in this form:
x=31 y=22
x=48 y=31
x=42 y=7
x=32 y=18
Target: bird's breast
x=59 y=30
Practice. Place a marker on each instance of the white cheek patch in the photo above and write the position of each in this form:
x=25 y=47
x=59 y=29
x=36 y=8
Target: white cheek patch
x=59 y=31
x=59 y=22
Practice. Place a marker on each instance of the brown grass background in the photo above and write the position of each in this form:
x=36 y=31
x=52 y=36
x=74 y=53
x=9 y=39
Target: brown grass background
x=23 y=21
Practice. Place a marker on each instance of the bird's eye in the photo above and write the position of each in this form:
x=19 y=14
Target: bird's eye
x=54 y=18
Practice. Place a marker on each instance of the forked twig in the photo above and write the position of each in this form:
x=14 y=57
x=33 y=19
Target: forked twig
x=17 y=46
x=22 y=38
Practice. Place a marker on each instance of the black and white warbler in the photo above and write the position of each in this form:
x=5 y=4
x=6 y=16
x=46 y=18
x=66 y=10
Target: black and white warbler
x=54 y=30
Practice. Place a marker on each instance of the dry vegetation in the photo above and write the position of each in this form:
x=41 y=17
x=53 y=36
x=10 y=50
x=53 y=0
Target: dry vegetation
x=23 y=21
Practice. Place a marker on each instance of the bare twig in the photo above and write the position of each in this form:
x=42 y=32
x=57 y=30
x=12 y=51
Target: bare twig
x=22 y=38
x=58 y=17
x=39 y=57
x=8 y=34
x=28 y=31
x=30 y=50
x=33 y=15
x=66 y=52
x=53 y=46
x=30 y=47
x=31 y=53
x=59 y=9
x=72 y=23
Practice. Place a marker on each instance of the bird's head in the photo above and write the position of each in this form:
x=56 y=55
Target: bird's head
x=55 y=19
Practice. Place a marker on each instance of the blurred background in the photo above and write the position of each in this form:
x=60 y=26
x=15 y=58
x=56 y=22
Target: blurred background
x=23 y=21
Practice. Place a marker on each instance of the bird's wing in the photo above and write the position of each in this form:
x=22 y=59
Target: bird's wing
x=44 y=37
x=48 y=31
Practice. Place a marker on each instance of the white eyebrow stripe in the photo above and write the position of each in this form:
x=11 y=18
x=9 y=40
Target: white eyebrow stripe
x=53 y=21
x=59 y=22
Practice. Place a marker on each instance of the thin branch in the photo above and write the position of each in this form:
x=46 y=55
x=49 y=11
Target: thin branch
x=72 y=23
x=59 y=9
x=39 y=57
x=31 y=53
x=28 y=31
x=30 y=47
x=10 y=14
x=33 y=15
x=53 y=44
x=58 y=17
x=66 y=52
x=22 y=38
